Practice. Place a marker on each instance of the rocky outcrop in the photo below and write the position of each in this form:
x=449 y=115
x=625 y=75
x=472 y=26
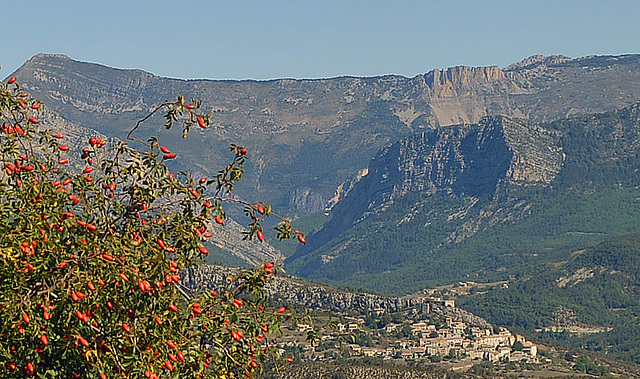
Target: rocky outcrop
x=304 y=200
x=462 y=95
x=346 y=186
x=286 y=290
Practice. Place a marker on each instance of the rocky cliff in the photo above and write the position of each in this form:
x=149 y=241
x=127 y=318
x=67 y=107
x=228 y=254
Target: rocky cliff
x=486 y=160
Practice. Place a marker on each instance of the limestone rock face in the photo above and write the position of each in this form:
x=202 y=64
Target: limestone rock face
x=487 y=160
x=304 y=200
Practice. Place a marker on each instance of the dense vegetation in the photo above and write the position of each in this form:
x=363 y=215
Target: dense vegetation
x=608 y=296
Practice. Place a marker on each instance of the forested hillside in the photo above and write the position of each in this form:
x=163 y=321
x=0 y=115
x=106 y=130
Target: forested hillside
x=591 y=301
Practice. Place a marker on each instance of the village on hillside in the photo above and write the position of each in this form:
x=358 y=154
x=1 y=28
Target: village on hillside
x=413 y=337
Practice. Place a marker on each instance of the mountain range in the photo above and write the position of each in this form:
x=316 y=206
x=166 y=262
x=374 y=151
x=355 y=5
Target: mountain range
x=524 y=175
x=290 y=125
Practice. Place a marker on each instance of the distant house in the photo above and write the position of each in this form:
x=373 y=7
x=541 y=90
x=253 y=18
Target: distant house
x=492 y=356
x=446 y=333
x=507 y=337
x=458 y=327
x=355 y=348
x=392 y=327
x=419 y=351
x=433 y=341
x=530 y=349
x=494 y=340
x=480 y=332
x=435 y=346
x=369 y=351
x=505 y=351
x=419 y=327
x=433 y=350
x=454 y=341
x=475 y=354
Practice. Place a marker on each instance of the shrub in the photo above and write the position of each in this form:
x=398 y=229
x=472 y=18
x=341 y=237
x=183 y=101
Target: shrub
x=92 y=249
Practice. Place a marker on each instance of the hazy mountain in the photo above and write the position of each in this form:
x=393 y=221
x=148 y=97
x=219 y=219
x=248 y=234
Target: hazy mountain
x=306 y=137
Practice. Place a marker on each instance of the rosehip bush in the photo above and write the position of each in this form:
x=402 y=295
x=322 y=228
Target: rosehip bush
x=92 y=254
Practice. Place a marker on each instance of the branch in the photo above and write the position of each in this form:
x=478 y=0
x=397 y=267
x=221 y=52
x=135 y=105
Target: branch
x=146 y=118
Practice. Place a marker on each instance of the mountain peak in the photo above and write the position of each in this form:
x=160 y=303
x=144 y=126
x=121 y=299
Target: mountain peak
x=538 y=60
x=62 y=62
x=41 y=56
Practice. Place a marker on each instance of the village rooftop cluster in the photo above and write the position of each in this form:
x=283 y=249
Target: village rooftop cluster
x=416 y=339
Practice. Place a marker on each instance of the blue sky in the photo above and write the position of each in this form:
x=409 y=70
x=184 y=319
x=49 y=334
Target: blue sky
x=239 y=39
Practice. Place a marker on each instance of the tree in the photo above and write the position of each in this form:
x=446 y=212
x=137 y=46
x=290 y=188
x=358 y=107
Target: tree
x=93 y=247
x=406 y=330
x=517 y=346
x=364 y=339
